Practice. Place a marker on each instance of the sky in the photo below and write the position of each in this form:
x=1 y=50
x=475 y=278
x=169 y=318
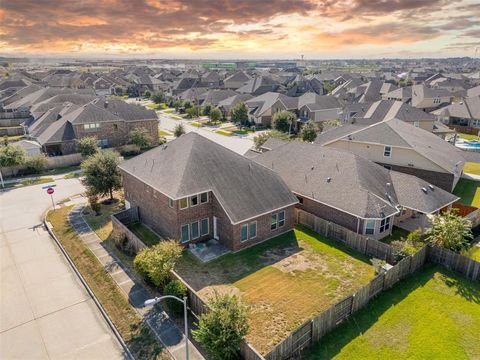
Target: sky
x=240 y=29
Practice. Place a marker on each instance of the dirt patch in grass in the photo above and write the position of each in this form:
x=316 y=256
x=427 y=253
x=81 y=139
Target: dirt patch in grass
x=284 y=281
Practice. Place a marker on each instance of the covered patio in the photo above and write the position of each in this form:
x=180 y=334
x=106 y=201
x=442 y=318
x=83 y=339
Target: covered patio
x=411 y=220
x=208 y=250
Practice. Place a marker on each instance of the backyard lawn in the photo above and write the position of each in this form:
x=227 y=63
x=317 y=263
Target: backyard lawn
x=435 y=314
x=469 y=192
x=473 y=253
x=285 y=281
x=147 y=236
x=468 y=136
x=472 y=168
x=396 y=234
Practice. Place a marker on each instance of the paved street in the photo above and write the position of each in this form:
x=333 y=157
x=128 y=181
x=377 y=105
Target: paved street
x=45 y=311
x=238 y=144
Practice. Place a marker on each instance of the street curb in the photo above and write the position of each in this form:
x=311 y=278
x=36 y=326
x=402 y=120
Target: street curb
x=90 y=292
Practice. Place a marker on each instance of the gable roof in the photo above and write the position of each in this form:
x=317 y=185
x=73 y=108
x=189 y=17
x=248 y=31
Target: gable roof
x=193 y=164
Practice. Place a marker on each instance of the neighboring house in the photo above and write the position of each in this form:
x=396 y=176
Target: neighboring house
x=262 y=108
x=465 y=114
x=352 y=191
x=472 y=92
x=193 y=189
x=110 y=121
x=402 y=147
x=318 y=108
x=214 y=97
x=103 y=87
x=259 y=85
x=429 y=99
x=403 y=94
x=369 y=92
x=227 y=104
x=32 y=148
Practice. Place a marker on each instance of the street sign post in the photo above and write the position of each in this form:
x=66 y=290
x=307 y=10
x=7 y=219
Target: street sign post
x=50 y=191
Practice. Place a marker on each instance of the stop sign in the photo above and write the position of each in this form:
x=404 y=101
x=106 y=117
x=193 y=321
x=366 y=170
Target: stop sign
x=50 y=191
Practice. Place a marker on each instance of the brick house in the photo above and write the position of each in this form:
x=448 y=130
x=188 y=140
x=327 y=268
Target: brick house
x=353 y=192
x=110 y=121
x=194 y=190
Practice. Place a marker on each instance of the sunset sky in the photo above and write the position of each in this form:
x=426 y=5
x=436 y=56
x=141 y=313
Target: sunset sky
x=223 y=29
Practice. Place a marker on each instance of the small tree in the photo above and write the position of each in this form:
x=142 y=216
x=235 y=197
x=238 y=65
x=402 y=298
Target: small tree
x=193 y=111
x=309 y=131
x=158 y=98
x=206 y=109
x=156 y=262
x=260 y=139
x=147 y=94
x=179 y=130
x=239 y=113
x=284 y=121
x=215 y=115
x=178 y=289
x=141 y=137
x=101 y=173
x=221 y=330
x=450 y=231
x=87 y=146
x=36 y=164
x=12 y=155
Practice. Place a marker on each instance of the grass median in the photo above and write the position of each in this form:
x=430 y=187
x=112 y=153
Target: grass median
x=137 y=335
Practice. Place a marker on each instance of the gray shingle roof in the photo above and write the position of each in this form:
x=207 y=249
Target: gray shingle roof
x=192 y=164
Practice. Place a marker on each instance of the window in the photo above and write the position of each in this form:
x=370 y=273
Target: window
x=91 y=126
x=183 y=203
x=115 y=127
x=194 y=200
x=204 y=227
x=244 y=232
x=252 y=230
x=195 y=230
x=281 y=218
x=274 y=222
x=185 y=233
x=384 y=224
x=387 y=151
x=416 y=123
x=370 y=227
x=204 y=198
x=170 y=202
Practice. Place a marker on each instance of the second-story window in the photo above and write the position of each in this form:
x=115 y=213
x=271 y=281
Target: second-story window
x=387 y=151
x=194 y=200
x=183 y=203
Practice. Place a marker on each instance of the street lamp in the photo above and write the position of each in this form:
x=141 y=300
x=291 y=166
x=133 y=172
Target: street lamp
x=151 y=302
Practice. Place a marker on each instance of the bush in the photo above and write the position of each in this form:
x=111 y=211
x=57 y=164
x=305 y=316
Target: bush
x=12 y=155
x=206 y=109
x=284 y=121
x=36 y=164
x=140 y=137
x=309 y=131
x=121 y=243
x=221 y=330
x=179 y=130
x=239 y=113
x=260 y=139
x=178 y=289
x=94 y=204
x=129 y=150
x=87 y=146
x=156 y=262
x=215 y=115
x=450 y=231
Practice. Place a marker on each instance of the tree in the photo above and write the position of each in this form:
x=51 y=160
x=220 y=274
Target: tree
x=260 y=139
x=328 y=87
x=87 y=146
x=156 y=262
x=12 y=155
x=239 y=113
x=158 y=98
x=284 y=121
x=147 y=94
x=215 y=115
x=206 y=109
x=178 y=289
x=102 y=176
x=309 y=131
x=221 y=330
x=141 y=137
x=179 y=130
x=119 y=91
x=450 y=231
x=193 y=111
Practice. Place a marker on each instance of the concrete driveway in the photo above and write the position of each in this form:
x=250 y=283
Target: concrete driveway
x=45 y=312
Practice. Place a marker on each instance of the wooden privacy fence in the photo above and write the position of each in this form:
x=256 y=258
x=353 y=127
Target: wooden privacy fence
x=358 y=242
x=313 y=330
x=120 y=222
x=455 y=262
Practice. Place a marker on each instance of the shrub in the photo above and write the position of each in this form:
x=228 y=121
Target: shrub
x=178 y=289
x=140 y=137
x=156 y=262
x=94 y=204
x=12 y=155
x=284 y=121
x=215 y=115
x=239 y=113
x=260 y=139
x=179 y=130
x=36 y=164
x=206 y=109
x=450 y=231
x=129 y=150
x=378 y=265
x=221 y=330
x=309 y=131
x=87 y=146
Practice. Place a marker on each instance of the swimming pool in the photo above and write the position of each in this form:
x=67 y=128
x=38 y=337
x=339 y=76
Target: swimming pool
x=468 y=144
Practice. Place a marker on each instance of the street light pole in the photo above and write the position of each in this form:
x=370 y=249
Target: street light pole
x=151 y=302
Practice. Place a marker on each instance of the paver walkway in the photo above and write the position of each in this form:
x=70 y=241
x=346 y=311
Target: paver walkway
x=165 y=329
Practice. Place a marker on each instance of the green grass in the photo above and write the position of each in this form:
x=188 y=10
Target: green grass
x=102 y=225
x=242 y=132
x=147 y=236
x=138 y=336
x=468 y=136
x=472 y=168
x=13 y=138
x=30 y=182
x=196 y=124
x=175 y=117
x=225 y=133
x=163 y=133
x=157 y=106
x=473 y=253
x=468 y=191
x=72 y=175
x=169 y=111
x=397 y=234
x=434 y=314
x=285 y=281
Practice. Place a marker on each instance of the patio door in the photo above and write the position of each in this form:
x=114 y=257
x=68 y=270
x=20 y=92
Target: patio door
x=215 y=228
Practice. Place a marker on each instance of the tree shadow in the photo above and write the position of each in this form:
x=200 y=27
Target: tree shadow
x=469 y=290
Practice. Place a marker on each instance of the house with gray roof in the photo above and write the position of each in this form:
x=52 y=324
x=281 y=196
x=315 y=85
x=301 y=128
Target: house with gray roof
x=429 y=99
x=463 y=116
x=402 y=147
x=259 y=85
x=236 y=80
x=354 y=192
x=193 y=189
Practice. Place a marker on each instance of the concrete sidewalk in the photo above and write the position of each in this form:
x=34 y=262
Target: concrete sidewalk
x=164 y=328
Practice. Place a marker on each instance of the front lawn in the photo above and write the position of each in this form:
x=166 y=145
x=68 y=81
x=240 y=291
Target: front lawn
x=285 y=281
x=434 y=314
x=138 y=336
x=147 y=236
x=196 y=124
x=225 y=133
x=472 y=168
x=468 y=191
